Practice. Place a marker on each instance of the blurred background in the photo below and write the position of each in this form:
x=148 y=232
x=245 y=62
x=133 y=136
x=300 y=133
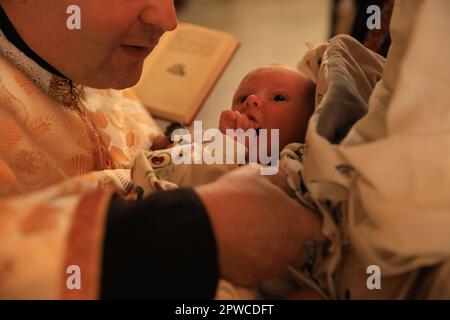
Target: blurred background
x=274 y=31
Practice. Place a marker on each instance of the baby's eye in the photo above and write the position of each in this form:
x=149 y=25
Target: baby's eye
x=242 y=99
x=279 y=97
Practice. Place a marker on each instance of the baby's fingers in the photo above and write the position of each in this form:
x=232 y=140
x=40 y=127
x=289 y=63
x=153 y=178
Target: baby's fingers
x=227 y=120
x=242 y=122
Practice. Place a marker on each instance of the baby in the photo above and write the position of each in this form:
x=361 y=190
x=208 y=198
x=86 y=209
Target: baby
x=272 y=97
x=269 y=97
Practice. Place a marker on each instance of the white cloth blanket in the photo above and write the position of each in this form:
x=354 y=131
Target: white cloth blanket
x=383 y=187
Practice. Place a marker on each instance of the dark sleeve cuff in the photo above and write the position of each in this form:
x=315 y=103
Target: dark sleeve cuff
x=162 y=247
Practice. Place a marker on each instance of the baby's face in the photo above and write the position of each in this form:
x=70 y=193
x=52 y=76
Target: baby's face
x=276 y=97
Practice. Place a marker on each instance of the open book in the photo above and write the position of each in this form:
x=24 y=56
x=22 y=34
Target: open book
x=183 y=69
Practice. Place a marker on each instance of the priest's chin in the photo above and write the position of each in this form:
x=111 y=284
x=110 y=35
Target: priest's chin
x=120 y=78
x=127 y=78
x=117 y=73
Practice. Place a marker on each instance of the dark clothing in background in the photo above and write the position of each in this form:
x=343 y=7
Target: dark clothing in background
x=376 y=40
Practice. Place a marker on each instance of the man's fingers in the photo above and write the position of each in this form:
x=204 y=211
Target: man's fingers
x=314 y=223
x=278 y=179
x=307 y=217
x=249 y=171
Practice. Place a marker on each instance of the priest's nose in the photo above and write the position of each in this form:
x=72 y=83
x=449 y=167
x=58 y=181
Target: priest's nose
x=160 y=13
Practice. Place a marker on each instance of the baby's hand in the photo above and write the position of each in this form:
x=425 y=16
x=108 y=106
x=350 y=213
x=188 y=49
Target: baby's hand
x=161 y=142
x=230 y=119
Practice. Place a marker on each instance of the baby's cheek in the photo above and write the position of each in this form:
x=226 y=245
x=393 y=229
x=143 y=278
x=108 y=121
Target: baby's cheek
x=271 y=118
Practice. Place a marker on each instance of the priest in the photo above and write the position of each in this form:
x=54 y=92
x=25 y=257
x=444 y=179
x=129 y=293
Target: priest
x=69 y=135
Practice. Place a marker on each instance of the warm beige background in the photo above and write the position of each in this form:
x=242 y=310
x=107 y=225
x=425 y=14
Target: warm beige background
x=270 y=31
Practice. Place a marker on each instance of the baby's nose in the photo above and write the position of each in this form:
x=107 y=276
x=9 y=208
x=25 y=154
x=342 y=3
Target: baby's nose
x=252 y=101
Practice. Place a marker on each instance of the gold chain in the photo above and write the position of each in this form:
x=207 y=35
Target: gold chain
x=69 y=93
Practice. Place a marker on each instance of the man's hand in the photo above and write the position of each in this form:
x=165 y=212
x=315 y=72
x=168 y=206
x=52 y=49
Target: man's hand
x=230 y=119
x=258 y=228
x=280 y=179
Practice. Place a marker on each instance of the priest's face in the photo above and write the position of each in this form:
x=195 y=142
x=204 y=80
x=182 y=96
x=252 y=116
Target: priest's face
x=108 y=49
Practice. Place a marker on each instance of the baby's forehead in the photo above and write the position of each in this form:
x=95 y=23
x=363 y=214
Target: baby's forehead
x=273 y=69
x=277 y=75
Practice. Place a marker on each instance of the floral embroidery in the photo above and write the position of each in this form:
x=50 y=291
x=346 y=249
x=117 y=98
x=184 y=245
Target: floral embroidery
x=28 y=162
x=40 y=127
